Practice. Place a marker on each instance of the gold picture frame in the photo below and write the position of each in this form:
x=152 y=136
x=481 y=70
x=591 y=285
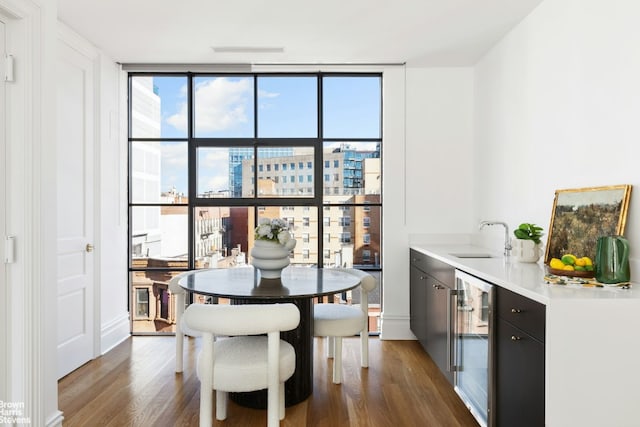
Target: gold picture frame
x=581 y=215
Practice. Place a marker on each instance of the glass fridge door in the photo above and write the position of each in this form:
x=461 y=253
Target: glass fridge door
x=473 y=344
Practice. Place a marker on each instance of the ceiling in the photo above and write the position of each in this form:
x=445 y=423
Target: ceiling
x=416 y=32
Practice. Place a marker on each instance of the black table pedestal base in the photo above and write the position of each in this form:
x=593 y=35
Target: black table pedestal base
x=299 y=387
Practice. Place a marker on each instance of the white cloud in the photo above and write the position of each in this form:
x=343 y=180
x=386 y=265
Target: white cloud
x=213 y=170
x=221 y=105
x=264 y=94
x=179 y=120
x=174 y=166
x=217 y=183
x=174 y=154
x=214 y=158
x=173 y=180
x=264 y=97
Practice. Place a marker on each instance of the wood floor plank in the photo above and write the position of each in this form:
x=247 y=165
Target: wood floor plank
x=135 y=385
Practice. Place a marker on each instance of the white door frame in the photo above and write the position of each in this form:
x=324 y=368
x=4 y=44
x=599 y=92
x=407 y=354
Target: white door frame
x=30 y=217
x=4 y=294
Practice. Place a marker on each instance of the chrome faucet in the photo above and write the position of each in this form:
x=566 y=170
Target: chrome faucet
x=507 y=239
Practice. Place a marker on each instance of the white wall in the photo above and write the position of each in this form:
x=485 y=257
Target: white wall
x=427 y=173
x=557 y=107
x=439 y=158
x=112 y=206
x=554 y=105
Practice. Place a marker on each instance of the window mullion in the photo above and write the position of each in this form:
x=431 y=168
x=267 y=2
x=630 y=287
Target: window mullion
x=192 y=173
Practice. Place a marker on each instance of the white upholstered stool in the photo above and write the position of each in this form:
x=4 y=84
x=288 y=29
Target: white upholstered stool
x=242 y=363
x=335 y=321
x=181 y=328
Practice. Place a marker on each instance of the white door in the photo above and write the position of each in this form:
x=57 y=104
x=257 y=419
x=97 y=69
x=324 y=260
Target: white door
x=75 y=129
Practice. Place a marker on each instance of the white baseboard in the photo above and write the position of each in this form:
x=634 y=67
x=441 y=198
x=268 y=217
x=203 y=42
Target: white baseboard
x=393 y=327
x=114 y=332
x=55 y=420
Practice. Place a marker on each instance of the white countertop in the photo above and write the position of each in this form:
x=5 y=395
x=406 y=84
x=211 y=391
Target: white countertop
x=526 y=279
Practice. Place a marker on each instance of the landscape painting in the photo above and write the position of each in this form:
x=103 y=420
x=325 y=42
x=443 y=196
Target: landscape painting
x=580 y=216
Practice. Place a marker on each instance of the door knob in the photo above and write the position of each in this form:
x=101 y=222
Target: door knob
x=89 y=247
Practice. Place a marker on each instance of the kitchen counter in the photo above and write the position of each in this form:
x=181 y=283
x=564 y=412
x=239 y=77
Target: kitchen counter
x=592 y=339
x=526 y=279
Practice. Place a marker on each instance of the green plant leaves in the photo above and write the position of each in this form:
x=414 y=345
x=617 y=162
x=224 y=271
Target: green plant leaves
x=527 y=231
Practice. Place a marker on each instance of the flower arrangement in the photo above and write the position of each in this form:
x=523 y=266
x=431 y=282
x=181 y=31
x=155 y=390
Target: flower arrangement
x=275 y=230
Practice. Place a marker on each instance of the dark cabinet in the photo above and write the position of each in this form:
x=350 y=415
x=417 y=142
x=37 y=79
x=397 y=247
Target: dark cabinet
x=418 y=304
x=517 y=355
x=430 y=282
x=437 y=326
x=519 y=361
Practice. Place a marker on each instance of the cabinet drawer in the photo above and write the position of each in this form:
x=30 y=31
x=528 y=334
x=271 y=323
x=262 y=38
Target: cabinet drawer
x=441 y=271
x=522 y=312
x=418 y=260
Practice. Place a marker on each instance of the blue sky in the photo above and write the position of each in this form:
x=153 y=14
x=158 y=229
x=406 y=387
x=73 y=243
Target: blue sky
x=286 y=109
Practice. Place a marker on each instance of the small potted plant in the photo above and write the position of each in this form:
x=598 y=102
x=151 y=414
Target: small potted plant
x=526 y=247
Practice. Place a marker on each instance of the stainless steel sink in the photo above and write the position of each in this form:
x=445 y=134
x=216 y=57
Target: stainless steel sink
x=472 y=255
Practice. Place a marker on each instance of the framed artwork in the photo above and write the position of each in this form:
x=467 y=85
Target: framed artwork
x=580 y=216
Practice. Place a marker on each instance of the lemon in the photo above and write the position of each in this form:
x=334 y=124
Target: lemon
x=556 y=264
x=569 y=259
x=568 y=267
x=587 y=260
x=580 y=262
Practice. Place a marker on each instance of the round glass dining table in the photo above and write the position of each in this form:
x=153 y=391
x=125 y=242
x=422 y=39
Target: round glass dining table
x=298 y=285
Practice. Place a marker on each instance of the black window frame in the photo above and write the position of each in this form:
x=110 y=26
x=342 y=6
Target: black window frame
x=194 y=143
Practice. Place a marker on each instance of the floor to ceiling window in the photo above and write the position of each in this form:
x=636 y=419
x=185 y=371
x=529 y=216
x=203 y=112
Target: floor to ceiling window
x=210 y=154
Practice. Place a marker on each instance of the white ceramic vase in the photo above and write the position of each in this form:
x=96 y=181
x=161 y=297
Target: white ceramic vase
x=525 y=250
x=271 y=257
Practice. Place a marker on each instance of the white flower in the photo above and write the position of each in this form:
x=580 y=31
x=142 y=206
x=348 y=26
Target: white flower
x=264 y=230
x=283 y=237
x=279 y=223
x=262 y=221
x=273 y=229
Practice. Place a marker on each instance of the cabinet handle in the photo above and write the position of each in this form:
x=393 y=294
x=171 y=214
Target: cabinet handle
x=438 y=287
x=515 y=338
x=422 y=277
x=516 y=310
x=452 y=327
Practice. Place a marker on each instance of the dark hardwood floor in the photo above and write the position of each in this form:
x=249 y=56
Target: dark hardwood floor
x=135 y=385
